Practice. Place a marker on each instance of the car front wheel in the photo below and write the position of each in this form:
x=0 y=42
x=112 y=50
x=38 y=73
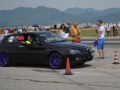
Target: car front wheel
x=55 y=60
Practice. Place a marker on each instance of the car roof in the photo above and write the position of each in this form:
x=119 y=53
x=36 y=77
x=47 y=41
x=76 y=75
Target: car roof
x=35 y=32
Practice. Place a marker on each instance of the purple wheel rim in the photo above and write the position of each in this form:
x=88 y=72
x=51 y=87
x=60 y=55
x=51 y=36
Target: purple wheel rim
x=55 y=60
x=3 y=59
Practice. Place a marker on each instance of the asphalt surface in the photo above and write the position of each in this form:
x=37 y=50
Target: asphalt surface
x=99 y=74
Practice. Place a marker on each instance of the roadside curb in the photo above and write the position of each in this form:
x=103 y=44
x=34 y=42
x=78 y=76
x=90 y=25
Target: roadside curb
x=108 y=40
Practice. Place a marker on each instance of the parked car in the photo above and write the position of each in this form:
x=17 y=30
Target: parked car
x=46 y=48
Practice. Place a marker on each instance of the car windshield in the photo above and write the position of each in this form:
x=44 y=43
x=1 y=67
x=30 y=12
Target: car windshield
x=51 y=37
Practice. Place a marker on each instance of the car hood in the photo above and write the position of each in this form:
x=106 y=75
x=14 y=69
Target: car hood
x=71 y=45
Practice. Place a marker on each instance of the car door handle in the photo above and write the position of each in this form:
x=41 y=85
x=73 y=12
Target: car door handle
x=21 y=46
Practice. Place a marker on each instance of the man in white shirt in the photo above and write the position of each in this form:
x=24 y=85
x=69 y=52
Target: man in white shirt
x=108 y=30
x=6 y=32
x=101 y=39
x=20 y=30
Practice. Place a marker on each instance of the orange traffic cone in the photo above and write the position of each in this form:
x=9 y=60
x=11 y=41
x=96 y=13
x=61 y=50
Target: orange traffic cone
x=68 y=69
x=116 y=58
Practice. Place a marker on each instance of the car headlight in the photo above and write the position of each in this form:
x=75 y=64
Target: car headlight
x=74 y=52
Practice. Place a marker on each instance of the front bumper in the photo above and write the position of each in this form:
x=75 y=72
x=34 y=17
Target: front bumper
x=81 y=58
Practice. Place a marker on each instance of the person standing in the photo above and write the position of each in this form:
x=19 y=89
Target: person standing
x=1 y=31
x=108 y=30
x=114 y=30
x=62 y=31
x=101 y=39
x=6 y=31
x=75 y=33
x=20 y=30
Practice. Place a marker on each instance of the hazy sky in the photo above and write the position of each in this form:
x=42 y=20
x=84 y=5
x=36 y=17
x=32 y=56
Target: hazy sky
x=59 y=4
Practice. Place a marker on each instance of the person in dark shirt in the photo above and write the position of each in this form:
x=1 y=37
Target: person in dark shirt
x=114 y=30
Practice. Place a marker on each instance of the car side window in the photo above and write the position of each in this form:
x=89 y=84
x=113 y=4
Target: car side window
x=30 y=39
x=11 y=39
x=37 y=40
x=21 y=39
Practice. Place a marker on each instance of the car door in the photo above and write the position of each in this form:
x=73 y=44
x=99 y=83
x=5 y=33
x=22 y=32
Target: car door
x=15 y=49
x=35 y=52
x=18 y=50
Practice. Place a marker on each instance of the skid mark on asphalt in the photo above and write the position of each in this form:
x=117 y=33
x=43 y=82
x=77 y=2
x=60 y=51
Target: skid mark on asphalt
x=45 y=71
x=39 y=81
x=57 y=72
x=73 y=82
x=56 y=82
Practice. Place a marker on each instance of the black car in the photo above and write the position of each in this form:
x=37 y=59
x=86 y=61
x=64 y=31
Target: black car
x=46 y=48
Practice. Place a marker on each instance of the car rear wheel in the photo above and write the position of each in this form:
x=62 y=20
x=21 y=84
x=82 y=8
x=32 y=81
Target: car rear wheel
x=55 y=60
x=4 y=60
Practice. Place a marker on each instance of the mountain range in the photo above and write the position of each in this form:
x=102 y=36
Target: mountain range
x=26 y=16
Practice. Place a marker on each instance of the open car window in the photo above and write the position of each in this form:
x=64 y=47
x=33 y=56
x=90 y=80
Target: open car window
x=27 y=37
